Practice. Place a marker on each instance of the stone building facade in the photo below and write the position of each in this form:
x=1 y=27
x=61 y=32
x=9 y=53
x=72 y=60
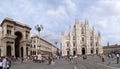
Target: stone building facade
x=14 y=39
x=81 y=40
x=43 y=47
x=109 y=49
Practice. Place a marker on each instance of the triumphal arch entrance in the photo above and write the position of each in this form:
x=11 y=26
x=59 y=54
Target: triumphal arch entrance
x=15 y=39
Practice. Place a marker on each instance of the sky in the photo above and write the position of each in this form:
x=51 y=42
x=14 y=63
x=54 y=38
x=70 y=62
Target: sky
x=58 y=15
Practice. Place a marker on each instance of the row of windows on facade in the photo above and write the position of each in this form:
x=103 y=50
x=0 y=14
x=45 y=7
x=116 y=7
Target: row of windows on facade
x=33 y=53
x=82 y=30
x=83 y=39
x=34 y=46
x=9 y=33
x=74 y=52
x=74 y=44
x=35 y=41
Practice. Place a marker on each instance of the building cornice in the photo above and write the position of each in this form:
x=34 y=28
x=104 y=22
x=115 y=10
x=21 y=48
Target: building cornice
x=15 y=23
x=43 y=40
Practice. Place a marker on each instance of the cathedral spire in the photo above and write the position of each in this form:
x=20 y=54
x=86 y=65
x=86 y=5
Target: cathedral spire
x=86 y=22
x=69 y=31
x=69 y=26
x=93 y=30
x=76 y=21
x=62 y=32
x=99 y=35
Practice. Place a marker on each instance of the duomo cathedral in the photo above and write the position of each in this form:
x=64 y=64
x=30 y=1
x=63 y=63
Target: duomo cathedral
x=81 y=40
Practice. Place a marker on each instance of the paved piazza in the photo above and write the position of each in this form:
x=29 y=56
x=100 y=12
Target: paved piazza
x=78 y=63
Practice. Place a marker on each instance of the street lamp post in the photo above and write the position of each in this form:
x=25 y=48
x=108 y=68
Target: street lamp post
x=38 y=28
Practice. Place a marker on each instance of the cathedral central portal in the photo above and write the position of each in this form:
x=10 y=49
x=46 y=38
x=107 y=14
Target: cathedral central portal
x=83 y=51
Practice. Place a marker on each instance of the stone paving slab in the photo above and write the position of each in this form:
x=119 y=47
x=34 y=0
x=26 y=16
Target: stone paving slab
x=30 y=65
x=90 y=63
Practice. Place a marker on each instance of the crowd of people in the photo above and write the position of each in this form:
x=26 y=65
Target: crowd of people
x=50 y=59
x=113 y=56
x=6 y=62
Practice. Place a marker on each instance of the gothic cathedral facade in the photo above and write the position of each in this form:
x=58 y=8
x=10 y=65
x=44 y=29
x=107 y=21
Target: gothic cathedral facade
x=81 y=40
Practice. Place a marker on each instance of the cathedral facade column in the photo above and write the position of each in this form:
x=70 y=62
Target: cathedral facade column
x=71 y=42
x=13 y=49
x=24 y=50
x=5 y=48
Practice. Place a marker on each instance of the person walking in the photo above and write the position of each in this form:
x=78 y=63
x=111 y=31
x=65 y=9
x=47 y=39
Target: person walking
x=117 y=58
x=103 y=58
x=70 y=58
x=4 y=63
x=49 y=60
x=52 y=61
x=22 y=59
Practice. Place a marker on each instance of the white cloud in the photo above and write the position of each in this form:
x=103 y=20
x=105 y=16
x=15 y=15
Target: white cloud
x=105 y=8
x=111 y=6
x=59 y=13
x=71 y=5
x=102 y=24
x=51 y=37
x=111 y=38
x=105 y=15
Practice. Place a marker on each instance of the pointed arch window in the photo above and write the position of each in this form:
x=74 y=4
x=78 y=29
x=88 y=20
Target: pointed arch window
x=96 y=44
x=34 y=46
x=68 y=44
x=91 y=44
x=74 y=44
x=83 y=39
x=82 y=30
x=91 y=38
x=73 y=37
